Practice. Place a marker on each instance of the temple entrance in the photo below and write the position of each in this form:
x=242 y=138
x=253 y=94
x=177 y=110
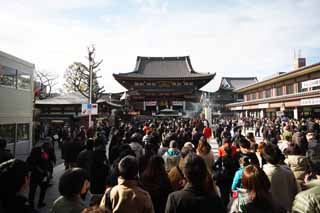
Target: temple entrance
x=163 y=104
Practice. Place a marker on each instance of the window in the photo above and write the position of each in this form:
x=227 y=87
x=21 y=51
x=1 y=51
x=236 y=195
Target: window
x=24 y=81
x=240 y=97
x=136 y=83
x=8 y=132
x=289 y=89
x=248 y=97
x=8 y=76
x=23 y=132
x=260 y=94
x=279 y=91
x=268 y=93
x=254 y=96
x=300 y=88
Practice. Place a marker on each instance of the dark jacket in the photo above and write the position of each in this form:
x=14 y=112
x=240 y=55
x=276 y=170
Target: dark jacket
x=18 y=203
x=5 y=155
x=70 y=151
x=192 y=199
x=84 y=159
x=159 y=189
x=38 y=164
x=99 y=171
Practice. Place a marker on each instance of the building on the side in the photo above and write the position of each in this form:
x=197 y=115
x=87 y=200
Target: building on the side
x=66 y=110
x=223 y=91
x=159 y=83
x=294 y=94
x=16 y=103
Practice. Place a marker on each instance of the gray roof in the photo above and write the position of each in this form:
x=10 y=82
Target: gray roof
x=234 y=83
x=163 y=67
x=70 y=98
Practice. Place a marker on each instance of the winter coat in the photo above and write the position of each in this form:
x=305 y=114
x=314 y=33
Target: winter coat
x=283 y=185
x=208 y=159
x=68 y=205
x=193 y=199
x=308 y=200
x=298 y=165
x=171 y=159
x=159 y=189
x=127 y=197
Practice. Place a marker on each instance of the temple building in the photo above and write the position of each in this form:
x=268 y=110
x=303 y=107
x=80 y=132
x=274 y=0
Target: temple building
x=223 y=91
x=160 y=83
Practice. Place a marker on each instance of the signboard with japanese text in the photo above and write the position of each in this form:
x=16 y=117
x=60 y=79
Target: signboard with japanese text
x=310 y=83
x=177 y=103
x=151 y=103
x=87 y=109
x=310 y=101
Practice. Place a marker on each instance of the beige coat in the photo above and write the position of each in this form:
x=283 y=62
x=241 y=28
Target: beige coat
x=283 y=185
x=128 y=197
x=298 y=164
x=208 y=159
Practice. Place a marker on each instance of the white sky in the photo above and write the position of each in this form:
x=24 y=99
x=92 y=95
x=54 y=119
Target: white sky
x=231 y=38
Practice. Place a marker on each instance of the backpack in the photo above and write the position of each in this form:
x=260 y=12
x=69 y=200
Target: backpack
x=224 y=170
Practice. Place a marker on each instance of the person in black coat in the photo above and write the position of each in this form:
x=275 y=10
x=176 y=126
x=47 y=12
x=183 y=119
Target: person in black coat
x=85 y=157
x=99 y=171
x=245 y=150
x=47 y=146
x=223 y=172
x=13 y=182
x=197 y=196
x=38 y=163
x=5 y=154
x=70 y=151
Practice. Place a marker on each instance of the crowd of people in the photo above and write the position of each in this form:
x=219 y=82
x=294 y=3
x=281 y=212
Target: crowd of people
x=163 y=166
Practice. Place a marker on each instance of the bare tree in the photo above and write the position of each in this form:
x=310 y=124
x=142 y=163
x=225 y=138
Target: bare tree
x=44 y=84
x=77 y=76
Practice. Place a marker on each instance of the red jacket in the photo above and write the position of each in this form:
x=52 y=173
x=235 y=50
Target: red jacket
x=207 y=132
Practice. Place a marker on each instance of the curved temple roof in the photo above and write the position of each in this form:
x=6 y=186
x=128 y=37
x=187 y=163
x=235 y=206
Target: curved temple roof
x=163 y=68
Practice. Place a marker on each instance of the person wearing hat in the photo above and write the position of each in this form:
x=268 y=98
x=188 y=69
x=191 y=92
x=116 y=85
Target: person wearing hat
x=13 y=182
x=309 y=200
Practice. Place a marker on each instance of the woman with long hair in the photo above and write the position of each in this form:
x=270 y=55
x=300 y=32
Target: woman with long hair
x=155 y=180
x=257 y=186
x=204 y=151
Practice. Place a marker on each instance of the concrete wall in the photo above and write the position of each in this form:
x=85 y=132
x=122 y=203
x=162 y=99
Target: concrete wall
x=16 y=104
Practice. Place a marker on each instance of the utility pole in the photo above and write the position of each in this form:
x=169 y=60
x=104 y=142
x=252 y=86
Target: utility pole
x=90 y=87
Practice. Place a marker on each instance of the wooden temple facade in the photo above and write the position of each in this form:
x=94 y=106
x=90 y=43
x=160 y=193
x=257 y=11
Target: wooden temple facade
x=159 y=83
